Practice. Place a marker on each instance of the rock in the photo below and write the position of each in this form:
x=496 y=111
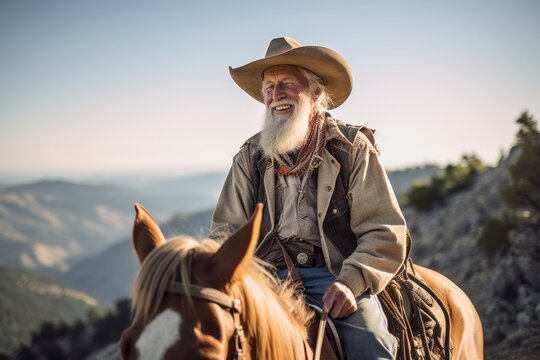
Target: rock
x=524 y=319
x=530 y=270
x=506 y=280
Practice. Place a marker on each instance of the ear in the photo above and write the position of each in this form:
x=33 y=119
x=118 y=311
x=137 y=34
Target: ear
x=316 y=94
x=146 y=233
x=233 y=256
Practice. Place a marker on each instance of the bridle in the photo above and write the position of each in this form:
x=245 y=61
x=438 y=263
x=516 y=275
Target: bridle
x=218 y=297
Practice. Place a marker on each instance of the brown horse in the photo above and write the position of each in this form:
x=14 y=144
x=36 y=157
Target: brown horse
x=197 y=300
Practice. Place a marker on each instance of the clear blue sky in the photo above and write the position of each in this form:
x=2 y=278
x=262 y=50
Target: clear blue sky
x=135 y=86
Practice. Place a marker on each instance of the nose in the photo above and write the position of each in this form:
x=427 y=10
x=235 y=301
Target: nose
x=278 y=92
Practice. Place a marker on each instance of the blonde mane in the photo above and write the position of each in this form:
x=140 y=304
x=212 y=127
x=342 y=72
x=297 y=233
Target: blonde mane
x=272 y=314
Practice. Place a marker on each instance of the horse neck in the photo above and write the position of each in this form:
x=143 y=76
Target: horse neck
x=271 y=326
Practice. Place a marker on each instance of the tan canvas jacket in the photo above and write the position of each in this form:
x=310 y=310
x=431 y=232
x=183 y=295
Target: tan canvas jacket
x=375 y=216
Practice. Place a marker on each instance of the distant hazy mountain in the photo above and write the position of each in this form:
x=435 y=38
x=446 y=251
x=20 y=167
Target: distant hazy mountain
x=27 y=300
x=52 y=222
x=181 y=195
x=110 y=274
x=47 y=223
x=402 y=179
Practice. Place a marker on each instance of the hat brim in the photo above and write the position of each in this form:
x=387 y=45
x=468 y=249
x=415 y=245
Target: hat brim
x=331 y=67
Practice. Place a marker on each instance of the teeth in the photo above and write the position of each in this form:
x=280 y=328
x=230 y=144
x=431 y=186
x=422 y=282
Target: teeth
x=283 y=107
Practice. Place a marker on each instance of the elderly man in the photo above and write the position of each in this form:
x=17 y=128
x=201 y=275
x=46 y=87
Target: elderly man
x=331 y=215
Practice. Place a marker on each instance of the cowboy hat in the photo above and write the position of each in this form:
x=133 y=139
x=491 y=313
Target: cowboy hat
x=327 y=64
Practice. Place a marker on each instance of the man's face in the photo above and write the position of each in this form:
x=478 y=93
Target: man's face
x=284 y=87
x=289 y=108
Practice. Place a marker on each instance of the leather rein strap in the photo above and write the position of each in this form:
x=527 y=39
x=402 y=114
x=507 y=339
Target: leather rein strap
x=217 y=297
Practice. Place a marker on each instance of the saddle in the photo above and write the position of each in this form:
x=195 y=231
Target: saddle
x=416 y=315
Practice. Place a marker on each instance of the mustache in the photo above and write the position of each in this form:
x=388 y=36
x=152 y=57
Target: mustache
x=276 y=103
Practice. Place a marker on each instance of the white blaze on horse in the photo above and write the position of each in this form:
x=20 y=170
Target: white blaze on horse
x=200 y=300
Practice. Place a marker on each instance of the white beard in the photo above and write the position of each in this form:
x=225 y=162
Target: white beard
x=281 y=136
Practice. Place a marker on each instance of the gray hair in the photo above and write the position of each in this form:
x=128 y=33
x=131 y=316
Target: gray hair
x=316 y=85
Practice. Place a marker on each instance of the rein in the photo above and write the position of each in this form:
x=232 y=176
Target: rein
x=217 y=297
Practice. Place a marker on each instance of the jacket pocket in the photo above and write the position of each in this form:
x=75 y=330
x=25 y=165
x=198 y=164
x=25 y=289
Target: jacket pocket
x=337 y=208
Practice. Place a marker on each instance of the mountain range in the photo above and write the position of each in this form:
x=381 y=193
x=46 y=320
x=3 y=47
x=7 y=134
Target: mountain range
x=110 y=274
x=52 y=223
x=79 y=234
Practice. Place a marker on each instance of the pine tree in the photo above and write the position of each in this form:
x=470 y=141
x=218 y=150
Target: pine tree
x=523 y=193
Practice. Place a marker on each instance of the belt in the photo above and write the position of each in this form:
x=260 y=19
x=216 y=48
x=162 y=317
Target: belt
x=302 y=259
x=303 y=254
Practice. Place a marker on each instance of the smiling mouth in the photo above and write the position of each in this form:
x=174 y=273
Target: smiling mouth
x=283 y=107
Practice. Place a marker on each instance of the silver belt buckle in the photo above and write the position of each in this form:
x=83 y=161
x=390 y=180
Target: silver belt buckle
x=302 y=258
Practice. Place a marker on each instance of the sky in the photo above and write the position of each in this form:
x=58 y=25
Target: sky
x=131 y=86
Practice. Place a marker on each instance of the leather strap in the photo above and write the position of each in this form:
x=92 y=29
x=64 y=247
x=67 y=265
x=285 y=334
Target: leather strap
x=220 y=298
x=330 y=327
x=293 y=272
x=205 y=293
x=320 y=336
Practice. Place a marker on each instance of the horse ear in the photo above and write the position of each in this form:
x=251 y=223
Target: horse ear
x=233 y=256
x=146 y=233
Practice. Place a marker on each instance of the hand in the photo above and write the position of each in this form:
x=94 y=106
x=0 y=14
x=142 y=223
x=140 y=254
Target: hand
x=339 y=301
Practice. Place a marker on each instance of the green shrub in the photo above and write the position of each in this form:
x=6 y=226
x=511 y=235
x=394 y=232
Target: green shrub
x=107 y=328
x=523 y=192
x=494 y=234
x=423 y=196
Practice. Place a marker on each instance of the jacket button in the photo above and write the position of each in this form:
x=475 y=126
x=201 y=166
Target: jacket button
x=328 y=188
x=334 y=211
x=319 y=214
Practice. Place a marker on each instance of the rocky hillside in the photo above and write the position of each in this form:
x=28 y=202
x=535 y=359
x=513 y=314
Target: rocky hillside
x=504 y=286
x=28 y=300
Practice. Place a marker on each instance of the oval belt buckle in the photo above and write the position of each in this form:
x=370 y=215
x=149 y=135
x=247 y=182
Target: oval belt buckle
x=302 y=258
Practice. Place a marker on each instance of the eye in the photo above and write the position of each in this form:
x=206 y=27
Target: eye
x=290 y=84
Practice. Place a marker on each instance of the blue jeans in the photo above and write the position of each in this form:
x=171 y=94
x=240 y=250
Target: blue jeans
x=364 y=334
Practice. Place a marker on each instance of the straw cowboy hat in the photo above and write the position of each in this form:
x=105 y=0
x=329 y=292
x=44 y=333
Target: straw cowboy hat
x=327 y=64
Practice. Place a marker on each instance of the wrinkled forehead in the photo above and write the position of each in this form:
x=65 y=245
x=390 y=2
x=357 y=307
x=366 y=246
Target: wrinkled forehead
x=278 y=72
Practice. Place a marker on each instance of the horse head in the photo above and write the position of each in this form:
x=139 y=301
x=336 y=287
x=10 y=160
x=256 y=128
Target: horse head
x=200 y=300
x=172 y=314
